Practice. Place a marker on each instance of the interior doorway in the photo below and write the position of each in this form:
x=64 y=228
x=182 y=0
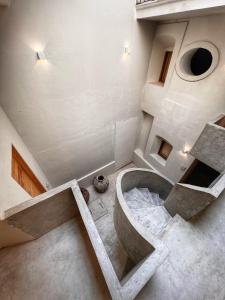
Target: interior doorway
x=199 y=174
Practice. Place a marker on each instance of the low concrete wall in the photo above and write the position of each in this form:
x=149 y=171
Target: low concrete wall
x=10 y=235
x=137 y=242
x=37 y=216
x=210 y=146
x=188 y=200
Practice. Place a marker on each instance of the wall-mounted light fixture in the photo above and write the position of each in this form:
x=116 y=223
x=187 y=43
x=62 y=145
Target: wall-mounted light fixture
x=41 y=56
x=127 y=51
x=185 y=151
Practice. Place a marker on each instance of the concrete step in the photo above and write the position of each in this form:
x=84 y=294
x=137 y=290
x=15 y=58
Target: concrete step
x=147 y=208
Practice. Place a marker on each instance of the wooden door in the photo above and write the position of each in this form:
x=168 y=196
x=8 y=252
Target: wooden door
x=24 y=176
x=165 y=66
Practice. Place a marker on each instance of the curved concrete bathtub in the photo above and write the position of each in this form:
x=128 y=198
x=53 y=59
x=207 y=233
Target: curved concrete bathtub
x=136 y=240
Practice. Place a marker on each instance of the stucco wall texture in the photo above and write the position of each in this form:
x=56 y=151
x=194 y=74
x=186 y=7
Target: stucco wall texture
x=71 y=109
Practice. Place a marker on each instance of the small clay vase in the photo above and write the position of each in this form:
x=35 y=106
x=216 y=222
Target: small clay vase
x=101 y=183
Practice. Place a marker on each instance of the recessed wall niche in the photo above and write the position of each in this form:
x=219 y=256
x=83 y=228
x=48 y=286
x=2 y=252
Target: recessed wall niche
x=161 y=150
x=197 y=61
x=146 y=126
x=161 y=59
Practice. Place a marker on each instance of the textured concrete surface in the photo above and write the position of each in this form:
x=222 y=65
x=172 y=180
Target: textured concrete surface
x=60 y=265
x=136 y=240
x=10 y=235
x=47 y=214
x=49 y=210
x=134 y=281
x=188 y=200
x=209 y=147
x=194 y=269
x=105 y=226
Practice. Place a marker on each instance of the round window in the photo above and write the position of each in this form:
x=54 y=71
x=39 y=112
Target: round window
x=197 y=61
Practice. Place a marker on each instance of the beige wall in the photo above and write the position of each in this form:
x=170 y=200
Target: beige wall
x=71 y=110
x=181 y=108
x=11 y=192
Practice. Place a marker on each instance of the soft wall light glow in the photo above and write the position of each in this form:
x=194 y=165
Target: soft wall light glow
x=126 y=52
x=186 y=150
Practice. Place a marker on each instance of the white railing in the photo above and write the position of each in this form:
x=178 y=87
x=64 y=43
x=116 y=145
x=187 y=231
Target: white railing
x=144 y=1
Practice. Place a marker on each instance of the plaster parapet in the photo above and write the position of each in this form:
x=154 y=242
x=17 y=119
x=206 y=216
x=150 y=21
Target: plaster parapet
x=189 y=200
x=209 y=147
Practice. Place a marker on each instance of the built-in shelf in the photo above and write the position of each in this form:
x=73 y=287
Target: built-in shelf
x=158 y=159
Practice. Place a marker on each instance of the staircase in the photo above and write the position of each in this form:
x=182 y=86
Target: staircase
x=148 y=209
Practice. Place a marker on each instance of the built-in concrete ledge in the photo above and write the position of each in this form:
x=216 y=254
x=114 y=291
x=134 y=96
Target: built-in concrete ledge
x=108 y=169
x=140 y=161
x=210 y=146
x=169 y=9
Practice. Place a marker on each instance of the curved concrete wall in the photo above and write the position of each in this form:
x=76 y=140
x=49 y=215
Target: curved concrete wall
x=137 y=242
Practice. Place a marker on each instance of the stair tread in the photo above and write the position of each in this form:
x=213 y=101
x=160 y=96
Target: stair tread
x=147 y=208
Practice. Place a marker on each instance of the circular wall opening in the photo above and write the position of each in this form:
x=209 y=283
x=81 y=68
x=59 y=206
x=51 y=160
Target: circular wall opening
x=201 y=61
x=197 y=61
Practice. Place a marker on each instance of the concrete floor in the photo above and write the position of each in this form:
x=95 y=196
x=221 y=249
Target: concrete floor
x=62 y=265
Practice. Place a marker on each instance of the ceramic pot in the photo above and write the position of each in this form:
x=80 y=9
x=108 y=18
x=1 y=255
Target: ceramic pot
x=101 y=183
x=85 y=194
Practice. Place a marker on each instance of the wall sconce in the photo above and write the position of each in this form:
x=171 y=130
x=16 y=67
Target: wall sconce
x=185 y=151
x=126 y=51
x=41 y=56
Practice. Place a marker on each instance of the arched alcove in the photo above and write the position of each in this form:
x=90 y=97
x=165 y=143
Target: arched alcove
x=161 y=58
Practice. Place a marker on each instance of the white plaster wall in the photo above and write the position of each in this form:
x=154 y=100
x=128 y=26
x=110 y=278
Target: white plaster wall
x=126 y=135
x=66 y=109
x=182 y=108
x=11 y=192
